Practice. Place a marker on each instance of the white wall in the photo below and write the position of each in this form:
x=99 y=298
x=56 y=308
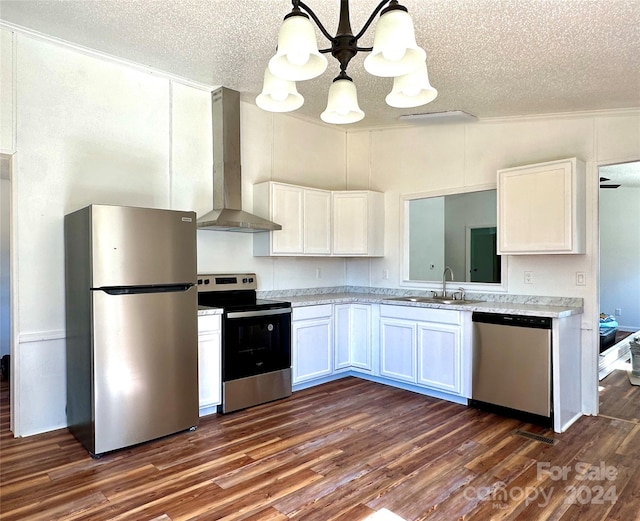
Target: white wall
x=7 y=88
x=272 y=149
x=403 y=161
x=90 y=130
x=620 y=255
x=93 y=131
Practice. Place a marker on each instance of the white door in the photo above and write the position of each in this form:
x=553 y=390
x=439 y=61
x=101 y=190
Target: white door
x=342 y=357
x=209 y=370
x=287 y=210
x=439 y=352
x=317 y=222
x=360 y=337
x=350 y=211
x=312 y=349
x=398 y=349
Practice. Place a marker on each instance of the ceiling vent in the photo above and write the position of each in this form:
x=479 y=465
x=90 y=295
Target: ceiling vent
x=449 y=116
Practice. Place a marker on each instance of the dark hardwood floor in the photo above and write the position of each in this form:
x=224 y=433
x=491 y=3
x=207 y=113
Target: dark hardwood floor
x=339 y=451
x=618 y=398
x=621 y=335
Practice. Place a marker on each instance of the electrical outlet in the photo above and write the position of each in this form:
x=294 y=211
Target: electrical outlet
x=580 y=278
x=618 y=312
x=385 y=274
x=318 y=273
x=528 y=277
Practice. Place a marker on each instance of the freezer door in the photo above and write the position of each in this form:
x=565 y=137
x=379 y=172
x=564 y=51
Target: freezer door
x=142 y=246
x=145 y=366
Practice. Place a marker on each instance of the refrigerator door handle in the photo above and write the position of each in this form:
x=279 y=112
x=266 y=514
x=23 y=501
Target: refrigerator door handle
x=154 y=288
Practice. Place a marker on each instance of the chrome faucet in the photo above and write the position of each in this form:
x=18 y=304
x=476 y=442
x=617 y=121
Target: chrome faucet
x=444 y=280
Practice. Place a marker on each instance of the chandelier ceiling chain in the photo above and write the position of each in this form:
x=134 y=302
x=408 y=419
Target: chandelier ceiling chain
x=394 y=54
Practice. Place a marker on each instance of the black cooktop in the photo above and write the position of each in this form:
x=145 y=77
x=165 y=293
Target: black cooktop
x=233 y=292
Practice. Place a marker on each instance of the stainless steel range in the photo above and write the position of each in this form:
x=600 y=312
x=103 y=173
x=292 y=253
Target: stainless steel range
x=256 y=340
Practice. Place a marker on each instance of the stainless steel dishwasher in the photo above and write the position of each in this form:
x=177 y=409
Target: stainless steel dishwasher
x=512 y=366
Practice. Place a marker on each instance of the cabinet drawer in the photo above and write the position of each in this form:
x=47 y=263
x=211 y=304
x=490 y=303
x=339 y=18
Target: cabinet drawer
x=442 y=316
x=310 y=312
x=208 y=323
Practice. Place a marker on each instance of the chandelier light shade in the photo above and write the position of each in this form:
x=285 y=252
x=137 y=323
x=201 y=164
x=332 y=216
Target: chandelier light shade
x=395 y=51
x=412 y=90
x=297 y=57
x=342 y=106
x=278 y=95
x=394 y=54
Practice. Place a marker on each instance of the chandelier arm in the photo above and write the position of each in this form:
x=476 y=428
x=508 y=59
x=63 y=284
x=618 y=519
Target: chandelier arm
x=363 y=49
x=315 y=18
x=370 y=20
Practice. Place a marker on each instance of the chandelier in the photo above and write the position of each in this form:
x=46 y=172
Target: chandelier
x=394 y=54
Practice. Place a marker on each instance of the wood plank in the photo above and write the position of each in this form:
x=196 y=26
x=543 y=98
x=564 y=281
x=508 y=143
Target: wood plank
x=339 y=451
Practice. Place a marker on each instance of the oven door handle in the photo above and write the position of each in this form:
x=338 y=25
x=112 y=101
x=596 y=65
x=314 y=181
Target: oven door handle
x=258 y=313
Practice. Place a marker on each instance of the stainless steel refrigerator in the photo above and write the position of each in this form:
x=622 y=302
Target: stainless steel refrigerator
x=132 y=337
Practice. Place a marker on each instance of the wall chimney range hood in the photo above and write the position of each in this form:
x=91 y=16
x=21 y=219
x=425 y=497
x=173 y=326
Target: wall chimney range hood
x=227 y=213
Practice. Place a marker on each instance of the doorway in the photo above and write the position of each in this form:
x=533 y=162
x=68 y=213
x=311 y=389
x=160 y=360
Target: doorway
x=482 y=263
x=619 y=288
x=6 y=315
x=5 y=255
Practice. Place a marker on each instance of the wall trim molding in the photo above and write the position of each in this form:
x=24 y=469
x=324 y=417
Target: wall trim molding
x=42 y=336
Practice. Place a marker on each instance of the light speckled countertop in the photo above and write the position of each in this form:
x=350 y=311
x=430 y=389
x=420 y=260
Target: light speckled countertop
x=553 y=307
x=204 y=310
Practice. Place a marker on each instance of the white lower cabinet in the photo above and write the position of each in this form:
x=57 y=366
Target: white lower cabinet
x=353 y=346
x=209 y=362
x=312 y=342
x=423 y=346
x=439 y=356
x=398 y=349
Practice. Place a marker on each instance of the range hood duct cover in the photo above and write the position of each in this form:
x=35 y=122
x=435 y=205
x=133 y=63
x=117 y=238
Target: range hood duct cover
x=227 y=213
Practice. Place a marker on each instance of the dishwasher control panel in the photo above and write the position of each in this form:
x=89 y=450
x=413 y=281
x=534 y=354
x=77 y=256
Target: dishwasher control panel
x=512 y=320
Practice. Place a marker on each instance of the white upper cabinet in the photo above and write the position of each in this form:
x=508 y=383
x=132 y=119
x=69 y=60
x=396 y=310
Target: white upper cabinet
x=303 y=213
x=358 y=223
x=285 y=205
x=541 y=208
x=318 y=222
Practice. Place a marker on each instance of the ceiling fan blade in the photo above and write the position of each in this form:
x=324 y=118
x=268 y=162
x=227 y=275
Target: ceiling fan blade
x=604 y=179
x=609 y=186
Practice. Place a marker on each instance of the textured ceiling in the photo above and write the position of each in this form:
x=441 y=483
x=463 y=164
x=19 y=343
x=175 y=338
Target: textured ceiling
x=491 y=58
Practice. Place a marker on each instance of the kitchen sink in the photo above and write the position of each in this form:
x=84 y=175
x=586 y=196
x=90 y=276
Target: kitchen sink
x=433 y=300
